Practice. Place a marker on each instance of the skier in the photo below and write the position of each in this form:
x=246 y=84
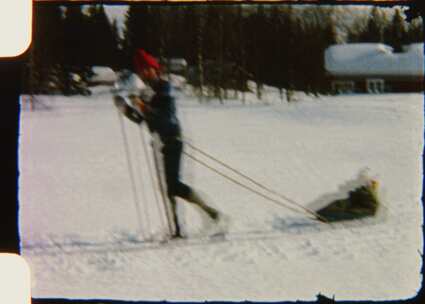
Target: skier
x=159 y=112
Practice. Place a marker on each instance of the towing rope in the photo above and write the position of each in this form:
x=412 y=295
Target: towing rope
x=271 y=191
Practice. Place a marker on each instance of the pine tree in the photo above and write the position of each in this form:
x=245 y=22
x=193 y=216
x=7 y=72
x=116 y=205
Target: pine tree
x=137 y=32
x=396 y=33
x=229 y=48
x=186 y=35
x=258 y=27
x=276 y=50
x=220 y=83
x=286 y=50
x=47 y=49
x=356 y=29
x=103 y=45
x=415 y=32
x=76 y=36
x=162 y=31
x=76 y=66
x=117 y=61
x=374 y=31
x=174 y=31
x=214 y=54
x=292 y=28
x=305 y=49
x=314 y=30
x=242 y=62
x=200 y=51
x=329 y=37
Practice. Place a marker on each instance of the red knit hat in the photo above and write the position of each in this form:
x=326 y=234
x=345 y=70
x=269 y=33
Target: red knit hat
x=143 y=60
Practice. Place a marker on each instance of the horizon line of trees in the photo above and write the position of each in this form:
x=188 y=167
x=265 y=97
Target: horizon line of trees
x=224 y=45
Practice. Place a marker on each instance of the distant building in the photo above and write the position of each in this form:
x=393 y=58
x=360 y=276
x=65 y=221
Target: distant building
x=374 y=68
x=102 y=76
x=175 y=65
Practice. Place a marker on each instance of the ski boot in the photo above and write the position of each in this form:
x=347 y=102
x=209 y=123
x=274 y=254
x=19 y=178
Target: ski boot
x=196 y=199
x=176 y=234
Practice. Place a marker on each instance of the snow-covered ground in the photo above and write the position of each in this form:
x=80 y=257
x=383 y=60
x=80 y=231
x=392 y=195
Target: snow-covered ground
x=82 y=236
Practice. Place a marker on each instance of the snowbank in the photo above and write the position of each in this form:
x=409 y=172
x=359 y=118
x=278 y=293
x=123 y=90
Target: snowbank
x=104 y=75
x=374 y=59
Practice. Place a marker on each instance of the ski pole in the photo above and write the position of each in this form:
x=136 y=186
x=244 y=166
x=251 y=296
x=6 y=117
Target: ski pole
x=150 y=169
x=145 y=213
x=162 y=189
x=129 y=167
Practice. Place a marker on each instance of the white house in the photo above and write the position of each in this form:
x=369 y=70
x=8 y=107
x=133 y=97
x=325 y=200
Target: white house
x=374 y=68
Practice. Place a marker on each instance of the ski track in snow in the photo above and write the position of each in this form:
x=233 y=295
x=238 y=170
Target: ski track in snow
x=79 y=228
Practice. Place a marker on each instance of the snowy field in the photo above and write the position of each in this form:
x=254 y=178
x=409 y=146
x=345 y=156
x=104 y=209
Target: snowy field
x=83 y=238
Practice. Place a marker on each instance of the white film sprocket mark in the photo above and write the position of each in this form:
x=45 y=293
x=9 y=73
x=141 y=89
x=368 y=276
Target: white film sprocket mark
x=15 y=287
x=15 y=27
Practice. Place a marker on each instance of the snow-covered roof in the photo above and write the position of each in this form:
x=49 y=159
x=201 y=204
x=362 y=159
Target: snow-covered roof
x=374 y=59
x=103 y=75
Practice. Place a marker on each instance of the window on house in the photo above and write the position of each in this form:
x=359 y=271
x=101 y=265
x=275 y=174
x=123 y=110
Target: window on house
x=375 y=86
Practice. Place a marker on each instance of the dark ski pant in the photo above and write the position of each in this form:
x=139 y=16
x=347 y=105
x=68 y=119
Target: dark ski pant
x=172 y=152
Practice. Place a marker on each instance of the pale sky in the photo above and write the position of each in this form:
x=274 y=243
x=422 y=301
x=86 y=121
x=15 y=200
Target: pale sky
x=116 y=12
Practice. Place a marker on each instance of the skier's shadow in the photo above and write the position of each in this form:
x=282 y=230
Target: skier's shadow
x=293 y=225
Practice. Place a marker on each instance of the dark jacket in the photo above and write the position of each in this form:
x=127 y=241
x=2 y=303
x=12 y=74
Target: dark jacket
x=161 y=117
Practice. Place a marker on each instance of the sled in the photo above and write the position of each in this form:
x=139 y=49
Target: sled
x=362 y=201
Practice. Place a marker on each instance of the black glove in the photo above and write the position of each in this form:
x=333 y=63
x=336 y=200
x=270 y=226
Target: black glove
x=120 y=103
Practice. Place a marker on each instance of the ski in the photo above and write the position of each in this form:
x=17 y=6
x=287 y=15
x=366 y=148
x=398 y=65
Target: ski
x=187 y=241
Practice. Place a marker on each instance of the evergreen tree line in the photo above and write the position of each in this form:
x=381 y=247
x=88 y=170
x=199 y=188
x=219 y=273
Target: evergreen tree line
x=224 y=45
x=67 y=42
x=395 y=32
